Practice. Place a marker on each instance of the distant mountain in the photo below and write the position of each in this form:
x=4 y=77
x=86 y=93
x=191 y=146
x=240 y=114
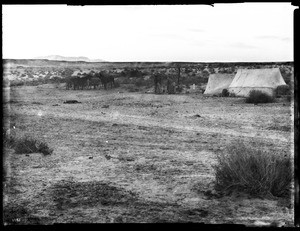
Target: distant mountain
x=70 y=59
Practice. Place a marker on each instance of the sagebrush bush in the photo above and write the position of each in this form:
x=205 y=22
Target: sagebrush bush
x=225 y=93
x=256 y=96
x=30 y=145
x=283 y=90
x=256 y=172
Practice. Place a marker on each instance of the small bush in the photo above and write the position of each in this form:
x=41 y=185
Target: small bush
x=225 y=93
x=283 y=90
x=256 y=96
x=30 y=145
x=231 y=94
x=253 y=171
x=43 y=148
x=71 y=101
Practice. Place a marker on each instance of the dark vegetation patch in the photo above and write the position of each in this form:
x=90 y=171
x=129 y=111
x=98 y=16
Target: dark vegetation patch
x=256 y=172
x=195 y=116
x=26 y=145
x=71 y=102
x=38 y=103
x=126 y=158
x=259 y=97
x=225 y=93
x=14 y=214
x=166 y=148
x=14 y=101
x=280 y=128
x=283 y=90
x=69 y=194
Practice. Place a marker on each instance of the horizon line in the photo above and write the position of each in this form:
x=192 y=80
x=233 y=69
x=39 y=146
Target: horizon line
x=152 y=61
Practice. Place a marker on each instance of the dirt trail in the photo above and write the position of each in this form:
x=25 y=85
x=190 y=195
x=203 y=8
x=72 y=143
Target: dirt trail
x=117 y=117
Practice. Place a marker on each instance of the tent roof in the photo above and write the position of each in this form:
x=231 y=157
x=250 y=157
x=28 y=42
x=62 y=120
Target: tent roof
x=257 y=78
x=218 y=82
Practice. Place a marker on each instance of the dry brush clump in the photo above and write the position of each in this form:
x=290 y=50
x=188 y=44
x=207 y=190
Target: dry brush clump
x=26 y=145
x=256 y=172
x=256 y=96
x=225 y=93
x=283 y=90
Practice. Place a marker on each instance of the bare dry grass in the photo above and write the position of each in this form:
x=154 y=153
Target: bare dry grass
x=254 y=171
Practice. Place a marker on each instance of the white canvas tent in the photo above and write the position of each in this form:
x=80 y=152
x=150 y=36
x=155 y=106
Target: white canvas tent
x=218 y=82
x=265 y=80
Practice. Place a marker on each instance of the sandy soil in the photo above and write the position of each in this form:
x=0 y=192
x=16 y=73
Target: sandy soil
x=142 y=158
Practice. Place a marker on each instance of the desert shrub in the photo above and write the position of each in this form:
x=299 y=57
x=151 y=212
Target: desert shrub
x=231 y=94
x=256 y=96
x=256 y=172
x=27 y=145
x=283 y=90
x=225 y=93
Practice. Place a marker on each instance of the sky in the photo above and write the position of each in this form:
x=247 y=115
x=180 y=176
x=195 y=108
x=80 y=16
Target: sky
x=244 y=32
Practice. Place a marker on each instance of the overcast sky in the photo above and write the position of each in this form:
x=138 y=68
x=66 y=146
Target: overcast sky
x=193 y=33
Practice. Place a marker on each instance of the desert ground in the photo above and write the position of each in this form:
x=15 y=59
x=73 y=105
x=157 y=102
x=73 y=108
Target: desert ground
x=135 y=157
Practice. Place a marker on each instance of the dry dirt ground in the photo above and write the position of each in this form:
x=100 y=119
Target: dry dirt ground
x=142 y=158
